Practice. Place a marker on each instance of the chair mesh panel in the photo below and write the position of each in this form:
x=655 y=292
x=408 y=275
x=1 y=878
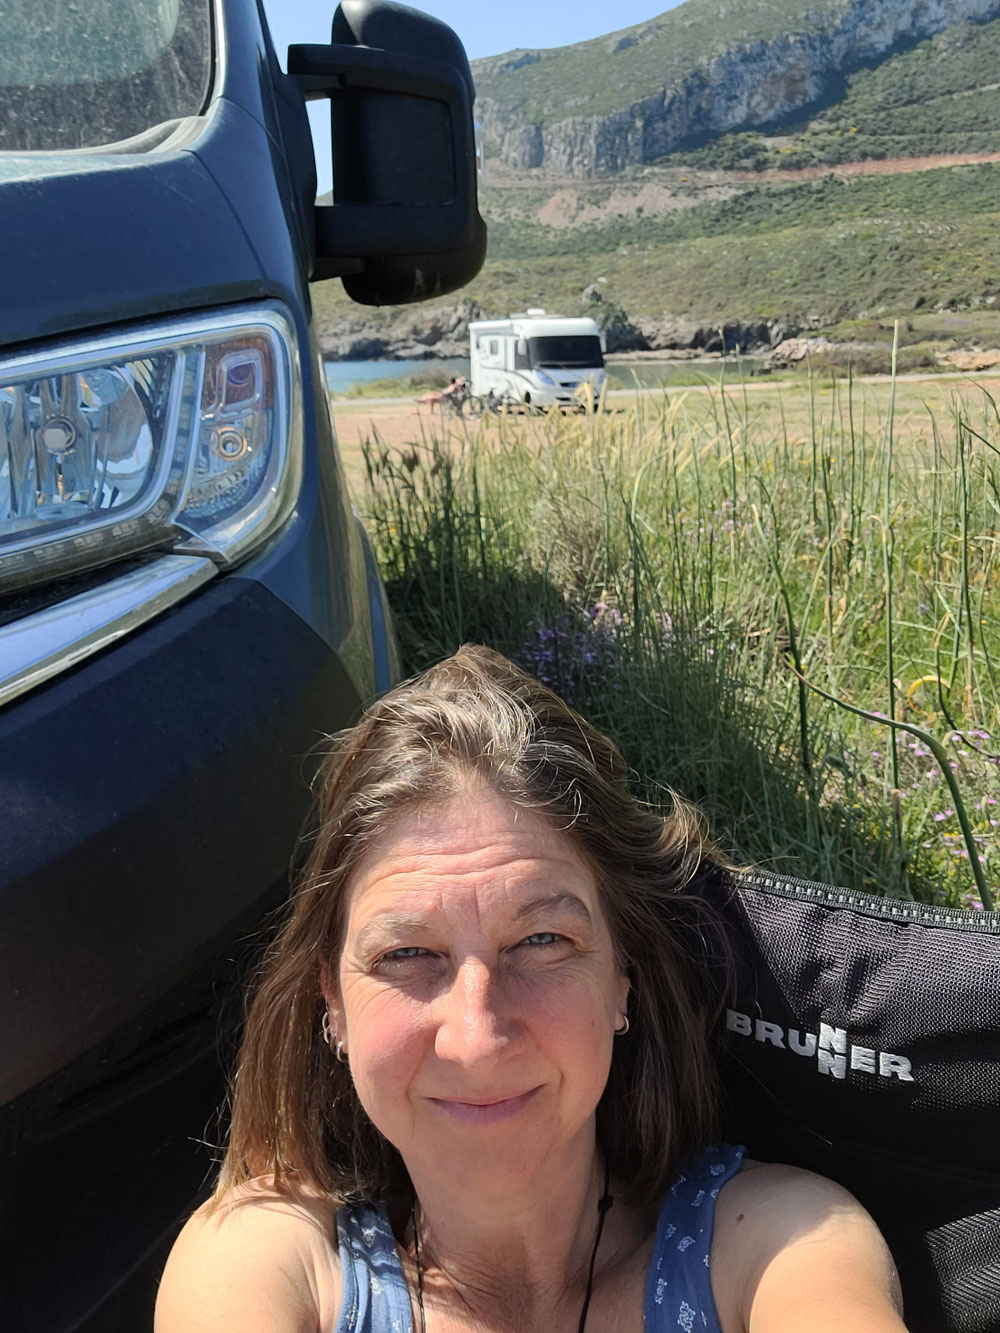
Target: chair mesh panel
x=893 y=982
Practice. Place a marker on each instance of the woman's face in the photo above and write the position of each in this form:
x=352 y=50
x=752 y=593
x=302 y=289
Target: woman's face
x=477 y=992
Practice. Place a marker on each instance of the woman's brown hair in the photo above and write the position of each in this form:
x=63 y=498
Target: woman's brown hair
x=476 y=716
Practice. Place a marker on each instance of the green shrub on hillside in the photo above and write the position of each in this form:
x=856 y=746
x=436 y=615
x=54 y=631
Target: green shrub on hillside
x=911 y=199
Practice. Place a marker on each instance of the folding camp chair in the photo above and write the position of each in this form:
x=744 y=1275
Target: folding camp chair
x=863 y=1042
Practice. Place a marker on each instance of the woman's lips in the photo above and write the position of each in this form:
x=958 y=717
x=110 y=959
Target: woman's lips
x=484 y=1112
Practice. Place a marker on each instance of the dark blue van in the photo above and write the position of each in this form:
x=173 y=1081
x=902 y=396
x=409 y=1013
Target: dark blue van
x=188 y=603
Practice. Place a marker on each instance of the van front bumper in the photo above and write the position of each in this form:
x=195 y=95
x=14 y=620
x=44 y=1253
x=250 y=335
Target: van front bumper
x=576 y=395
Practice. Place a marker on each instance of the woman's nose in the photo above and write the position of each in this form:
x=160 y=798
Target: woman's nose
x=474 y=1024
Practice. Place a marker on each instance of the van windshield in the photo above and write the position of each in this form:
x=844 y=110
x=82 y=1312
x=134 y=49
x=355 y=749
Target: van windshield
x=90 y=74
x=567 y=351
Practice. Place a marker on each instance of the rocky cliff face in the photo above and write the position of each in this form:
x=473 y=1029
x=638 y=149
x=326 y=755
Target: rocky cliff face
x=751 y=83
x=392 y=334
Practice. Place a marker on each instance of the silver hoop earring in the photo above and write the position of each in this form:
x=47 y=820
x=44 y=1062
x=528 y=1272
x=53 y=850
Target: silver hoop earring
x=620 y=1032
x=331 y=1039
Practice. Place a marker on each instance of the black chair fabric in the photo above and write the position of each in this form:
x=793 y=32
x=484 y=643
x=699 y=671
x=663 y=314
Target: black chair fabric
x=863 y=1042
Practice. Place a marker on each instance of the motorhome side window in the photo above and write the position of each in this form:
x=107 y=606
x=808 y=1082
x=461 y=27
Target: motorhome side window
x=494 y=347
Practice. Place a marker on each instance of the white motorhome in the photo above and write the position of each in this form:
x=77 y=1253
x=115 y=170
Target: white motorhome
x=541 y=360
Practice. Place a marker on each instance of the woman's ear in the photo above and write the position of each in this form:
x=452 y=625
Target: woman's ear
x=624 y=990
x=328 y=984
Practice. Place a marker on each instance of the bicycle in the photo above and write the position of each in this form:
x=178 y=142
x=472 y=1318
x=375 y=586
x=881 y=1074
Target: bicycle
x=494 y=402
x=453 y=403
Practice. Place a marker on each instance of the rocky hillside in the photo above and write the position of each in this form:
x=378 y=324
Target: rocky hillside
x=699 y=71
x=770 y=169
x=683 y=259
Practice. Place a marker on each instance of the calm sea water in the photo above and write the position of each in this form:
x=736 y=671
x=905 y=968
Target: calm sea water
x=343 y=375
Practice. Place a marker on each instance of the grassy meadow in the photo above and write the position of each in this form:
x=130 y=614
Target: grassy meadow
x=743 y=588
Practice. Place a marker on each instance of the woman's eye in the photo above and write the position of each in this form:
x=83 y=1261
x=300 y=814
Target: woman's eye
x=402 y=955
x=542 y=938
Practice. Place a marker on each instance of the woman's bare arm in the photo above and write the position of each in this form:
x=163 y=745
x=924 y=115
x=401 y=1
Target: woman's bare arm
x=810 y=1257
x=259 y=1263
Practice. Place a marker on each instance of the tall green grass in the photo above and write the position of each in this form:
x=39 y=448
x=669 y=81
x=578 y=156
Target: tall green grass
x=791 y=618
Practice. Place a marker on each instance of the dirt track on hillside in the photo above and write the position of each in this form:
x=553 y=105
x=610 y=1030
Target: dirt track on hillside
x=670 y=189
x=685 y=186
x=884 y=166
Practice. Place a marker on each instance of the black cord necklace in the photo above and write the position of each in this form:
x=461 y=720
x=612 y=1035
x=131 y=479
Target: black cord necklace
x=603 y=1204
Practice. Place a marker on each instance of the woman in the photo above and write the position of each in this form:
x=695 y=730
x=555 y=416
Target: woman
x=476 y=1089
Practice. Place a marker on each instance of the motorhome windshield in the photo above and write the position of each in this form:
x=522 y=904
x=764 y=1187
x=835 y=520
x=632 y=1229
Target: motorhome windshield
x=90 y=74
x=567 y=351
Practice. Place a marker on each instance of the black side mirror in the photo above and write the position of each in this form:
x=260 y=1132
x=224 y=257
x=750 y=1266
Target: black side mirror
x=404 y=224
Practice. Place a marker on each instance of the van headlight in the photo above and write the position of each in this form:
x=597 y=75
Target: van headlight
x=184 y=435
x=543 y=378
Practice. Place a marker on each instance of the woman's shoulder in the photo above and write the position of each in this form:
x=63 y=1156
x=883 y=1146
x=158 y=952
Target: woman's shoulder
x=779 y=1231
x=793 y=1190
x=257 y=1258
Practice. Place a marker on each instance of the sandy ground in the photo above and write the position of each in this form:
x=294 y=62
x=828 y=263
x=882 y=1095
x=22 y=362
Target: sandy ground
x=398 y=423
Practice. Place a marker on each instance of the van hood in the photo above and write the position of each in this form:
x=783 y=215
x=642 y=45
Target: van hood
x=96 y=238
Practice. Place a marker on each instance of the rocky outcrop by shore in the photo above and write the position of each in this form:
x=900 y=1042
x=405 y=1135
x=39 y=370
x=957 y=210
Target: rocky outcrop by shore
x=790 y=351
x=750 y=82
x=415 y=334
x=443 y=331
x=680 y=331
x=676 y=332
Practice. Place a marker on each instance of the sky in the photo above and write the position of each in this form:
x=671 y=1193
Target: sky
x=486 y=30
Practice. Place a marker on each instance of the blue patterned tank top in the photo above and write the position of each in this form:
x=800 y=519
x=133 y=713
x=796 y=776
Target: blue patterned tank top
x=678 y=1290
